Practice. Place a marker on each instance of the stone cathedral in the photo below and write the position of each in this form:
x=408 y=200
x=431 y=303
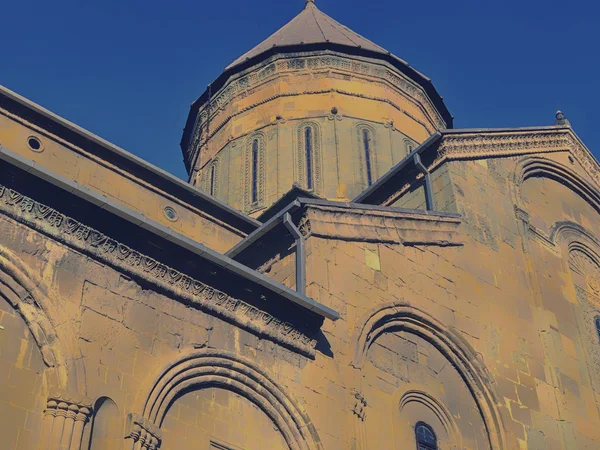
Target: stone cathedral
x=344 y=270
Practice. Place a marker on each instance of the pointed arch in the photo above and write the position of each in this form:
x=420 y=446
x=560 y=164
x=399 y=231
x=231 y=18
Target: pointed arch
x=225 y=370
x=404 y=317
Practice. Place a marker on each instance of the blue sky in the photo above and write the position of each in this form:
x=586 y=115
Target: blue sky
x=128 y=70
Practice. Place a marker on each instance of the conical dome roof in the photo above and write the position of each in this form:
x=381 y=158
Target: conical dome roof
x=311 y=26
x=310 y=31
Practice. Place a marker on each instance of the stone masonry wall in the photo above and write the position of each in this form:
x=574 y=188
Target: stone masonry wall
x=489 y=341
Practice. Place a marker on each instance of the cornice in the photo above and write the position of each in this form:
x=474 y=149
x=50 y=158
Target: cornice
x=92 y=242
x=379 y=225
x=457 y=144
x=124 y=164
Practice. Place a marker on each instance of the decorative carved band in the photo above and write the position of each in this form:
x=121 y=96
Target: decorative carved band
x=143 y=433
x=201 y=138
x=64 y=418
x=119 y=255
x=358 y=69
x=244 y=85
x=502 y=144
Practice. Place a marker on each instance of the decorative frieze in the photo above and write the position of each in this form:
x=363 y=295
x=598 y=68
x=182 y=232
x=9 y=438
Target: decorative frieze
x=142 y=434
x=241 y=87
x=488 y=144
x=123 y=257
x=64 y=419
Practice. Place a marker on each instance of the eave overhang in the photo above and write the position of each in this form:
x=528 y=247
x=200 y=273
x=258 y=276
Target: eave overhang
x=24 y=109
x=160 y=244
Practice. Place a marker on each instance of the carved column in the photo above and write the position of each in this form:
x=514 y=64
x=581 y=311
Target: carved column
x=142 y=434
x=64 y=418
x=81 y=418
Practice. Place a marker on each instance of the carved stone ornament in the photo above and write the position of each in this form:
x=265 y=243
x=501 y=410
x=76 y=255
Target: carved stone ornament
x=478 y=145
x=304 y=226
x=78 y=235
x=143 y=433
x=587 y=268
x=64 y=419
x=243 y=86
x=360 y=406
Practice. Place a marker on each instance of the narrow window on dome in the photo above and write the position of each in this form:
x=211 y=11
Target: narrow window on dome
x=213 y=175
x=598 y=326
x=308 y=147
x=255 y=157
x=425 y=436
x=366 y=137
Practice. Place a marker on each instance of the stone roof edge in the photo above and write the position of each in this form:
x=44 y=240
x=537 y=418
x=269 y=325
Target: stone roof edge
x=384 y=213
x=165 y=233
x=481 y=143
x=148 y=172
x=502 y=142
x=359 y=223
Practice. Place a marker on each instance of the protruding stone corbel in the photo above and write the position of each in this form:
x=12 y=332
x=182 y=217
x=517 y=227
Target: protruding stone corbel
x=142 y=433
x=64 y=419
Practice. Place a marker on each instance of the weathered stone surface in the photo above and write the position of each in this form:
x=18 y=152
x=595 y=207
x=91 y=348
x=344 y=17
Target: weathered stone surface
x=479 y=319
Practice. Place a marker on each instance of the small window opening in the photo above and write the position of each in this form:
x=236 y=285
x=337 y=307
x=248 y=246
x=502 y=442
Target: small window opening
x=213 y=173
x=255 y=171
x=34 y=143
x=308 y=146
x=367 y=147
x=425 y=436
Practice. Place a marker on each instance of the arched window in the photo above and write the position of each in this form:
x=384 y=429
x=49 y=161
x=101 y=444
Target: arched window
x=308 y=157
x=213 y=179
x=309 y=150
x=255 y=157
x=254 y=172
x=210 y=178
x=425 y=436
x=366 y=141
x=598 y=326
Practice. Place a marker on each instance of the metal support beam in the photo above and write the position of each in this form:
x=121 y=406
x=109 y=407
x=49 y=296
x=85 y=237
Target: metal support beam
x=429 y=201
x=300 y=254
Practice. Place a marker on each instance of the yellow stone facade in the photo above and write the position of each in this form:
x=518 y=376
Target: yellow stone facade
x=458 y=295
x=336 y=94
